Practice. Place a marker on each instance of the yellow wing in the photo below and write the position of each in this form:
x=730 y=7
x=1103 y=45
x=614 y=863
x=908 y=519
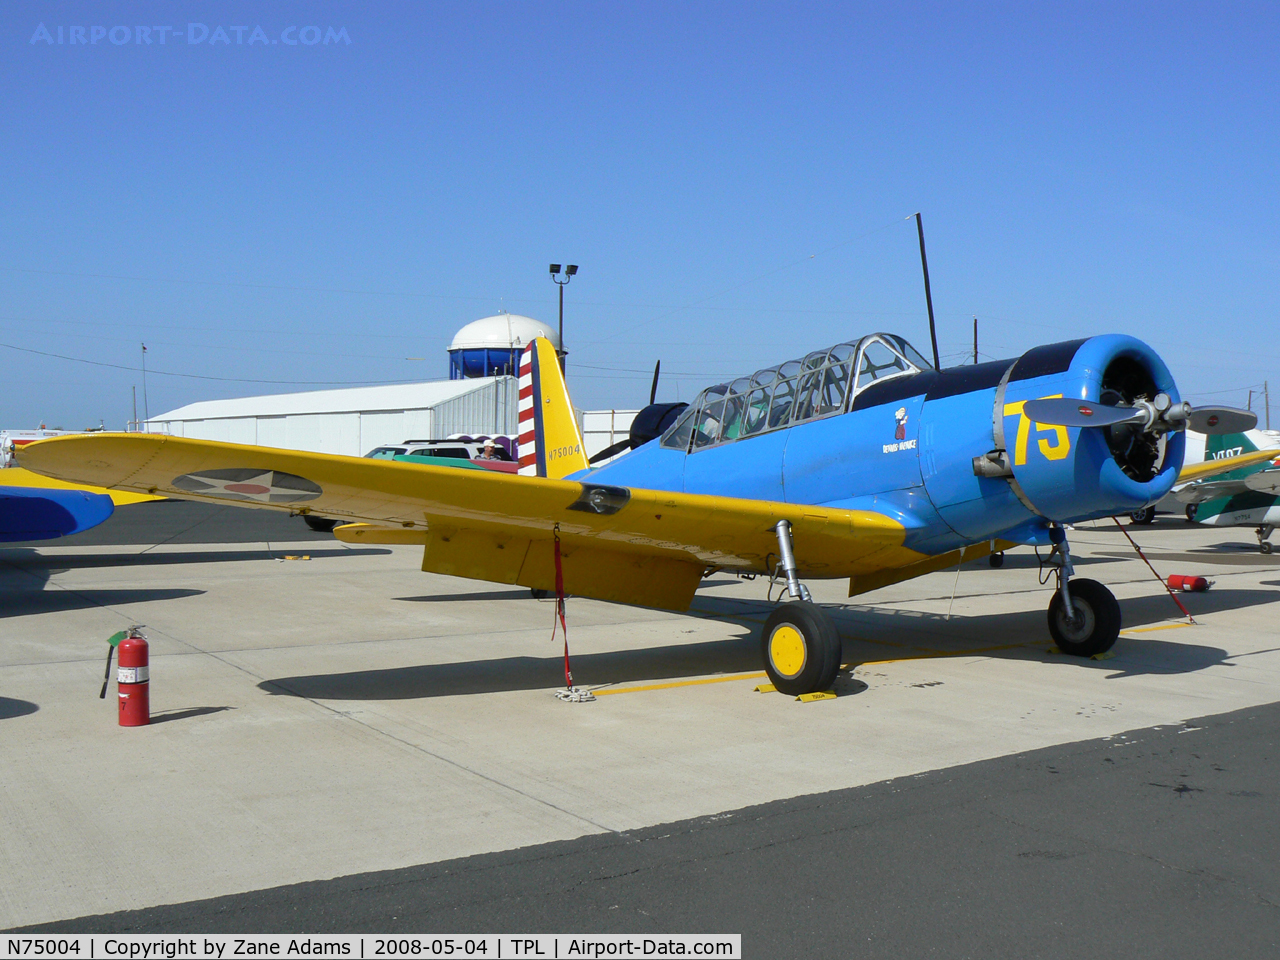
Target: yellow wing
x=17 y=477
x=643 y=547
x=1211 y=468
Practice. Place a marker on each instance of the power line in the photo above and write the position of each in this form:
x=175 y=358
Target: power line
x=197 y=376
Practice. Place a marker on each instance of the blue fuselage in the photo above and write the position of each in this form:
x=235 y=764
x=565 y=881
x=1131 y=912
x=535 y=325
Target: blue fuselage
x=906 y=447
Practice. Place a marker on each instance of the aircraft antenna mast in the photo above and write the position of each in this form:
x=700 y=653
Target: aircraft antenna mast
x=975 y=340
x=928 y=297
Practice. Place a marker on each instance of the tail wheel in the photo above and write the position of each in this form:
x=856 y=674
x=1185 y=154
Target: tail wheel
x=1096 y=623
x=1191 y=512
x=801 y=649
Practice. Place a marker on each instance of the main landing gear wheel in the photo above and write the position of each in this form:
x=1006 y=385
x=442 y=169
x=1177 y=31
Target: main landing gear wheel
x=319 y=524
x=801 y=649
x=1264 y=546
x=1144 y=516
x=1096 y=623
x=996 y=559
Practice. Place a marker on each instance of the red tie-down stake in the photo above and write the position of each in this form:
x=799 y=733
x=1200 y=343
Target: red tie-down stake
x=132 y=677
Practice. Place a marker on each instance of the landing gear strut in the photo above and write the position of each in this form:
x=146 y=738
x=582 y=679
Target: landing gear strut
x=1084 y=617
x=799 y=643
x=1265 y=531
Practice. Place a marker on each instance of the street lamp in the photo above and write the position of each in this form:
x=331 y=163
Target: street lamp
x=569 y=272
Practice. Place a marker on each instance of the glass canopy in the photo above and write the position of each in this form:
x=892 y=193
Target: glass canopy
x=822 y=384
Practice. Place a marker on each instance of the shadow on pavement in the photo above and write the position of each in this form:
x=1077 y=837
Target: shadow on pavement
x=520 y=594
x=22 y=603
x=31 y=560
x=886 y=634
x=185 y=714
x=10 y=708
x=679 y=661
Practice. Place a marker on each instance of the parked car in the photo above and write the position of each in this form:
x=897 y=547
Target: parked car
x=462 y=451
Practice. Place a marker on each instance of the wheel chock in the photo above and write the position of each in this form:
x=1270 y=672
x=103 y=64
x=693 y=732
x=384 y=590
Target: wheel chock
x=1104 y=655
x=803 y=698
x=817 y=695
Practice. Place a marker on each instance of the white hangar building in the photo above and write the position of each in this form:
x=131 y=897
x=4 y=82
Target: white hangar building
x=479 y=399
x=350 y=421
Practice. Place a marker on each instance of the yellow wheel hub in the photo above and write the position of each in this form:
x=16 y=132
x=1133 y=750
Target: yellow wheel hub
x=786 y=650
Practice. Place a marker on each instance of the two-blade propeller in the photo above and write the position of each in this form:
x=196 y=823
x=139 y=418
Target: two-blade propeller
x=1160 y=415
x=650 y=422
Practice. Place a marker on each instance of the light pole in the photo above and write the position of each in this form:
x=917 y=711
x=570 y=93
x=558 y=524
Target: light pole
x=569 y=271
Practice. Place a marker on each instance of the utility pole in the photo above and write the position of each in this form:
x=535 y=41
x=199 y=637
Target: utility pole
x=1266 y=392
x=135 y=407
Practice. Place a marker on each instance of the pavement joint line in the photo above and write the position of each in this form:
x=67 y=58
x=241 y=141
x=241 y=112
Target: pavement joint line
x=445 y=760
x=370 y=727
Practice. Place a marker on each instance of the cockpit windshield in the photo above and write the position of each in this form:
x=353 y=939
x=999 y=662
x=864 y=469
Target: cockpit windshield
x=822 y=384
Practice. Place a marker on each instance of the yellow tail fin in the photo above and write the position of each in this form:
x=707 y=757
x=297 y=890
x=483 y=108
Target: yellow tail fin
x=550 y=442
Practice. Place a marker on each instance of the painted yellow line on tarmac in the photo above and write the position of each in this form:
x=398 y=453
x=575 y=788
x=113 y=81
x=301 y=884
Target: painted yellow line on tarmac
x=1163 y=626
x=760 y=673
x=682 y=683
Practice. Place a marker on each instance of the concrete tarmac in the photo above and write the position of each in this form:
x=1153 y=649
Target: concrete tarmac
x=346 y=714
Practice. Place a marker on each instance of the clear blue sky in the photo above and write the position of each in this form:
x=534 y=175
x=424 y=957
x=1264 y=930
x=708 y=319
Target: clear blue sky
x=734 y=180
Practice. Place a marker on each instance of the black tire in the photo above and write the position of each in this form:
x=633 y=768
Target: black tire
x=538 y=594
x=801 y=649
x=320 y=524
x=996 y=559
x=1192 y=509
x=1097 y=622
x=1265 y=546
x=1144 y=516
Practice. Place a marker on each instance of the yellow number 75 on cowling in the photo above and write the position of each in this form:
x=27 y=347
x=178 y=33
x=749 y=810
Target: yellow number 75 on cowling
x=1057 y=450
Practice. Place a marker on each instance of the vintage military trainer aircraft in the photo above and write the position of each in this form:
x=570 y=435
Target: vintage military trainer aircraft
x=1246 y=496
x=861 y=461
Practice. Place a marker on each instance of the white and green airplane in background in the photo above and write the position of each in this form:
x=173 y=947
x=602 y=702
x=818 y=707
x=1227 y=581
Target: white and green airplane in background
x=1248 y=496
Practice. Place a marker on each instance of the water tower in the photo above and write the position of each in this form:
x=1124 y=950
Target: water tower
x=491 y=347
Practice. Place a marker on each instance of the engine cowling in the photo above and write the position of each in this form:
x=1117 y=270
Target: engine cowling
x=1031 y=472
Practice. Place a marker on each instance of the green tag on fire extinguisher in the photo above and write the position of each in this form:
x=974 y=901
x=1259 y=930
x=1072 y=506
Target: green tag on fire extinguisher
x=113 y=641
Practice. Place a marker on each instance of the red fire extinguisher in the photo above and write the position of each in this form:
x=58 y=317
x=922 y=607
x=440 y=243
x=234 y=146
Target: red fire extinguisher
x=132 y=677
